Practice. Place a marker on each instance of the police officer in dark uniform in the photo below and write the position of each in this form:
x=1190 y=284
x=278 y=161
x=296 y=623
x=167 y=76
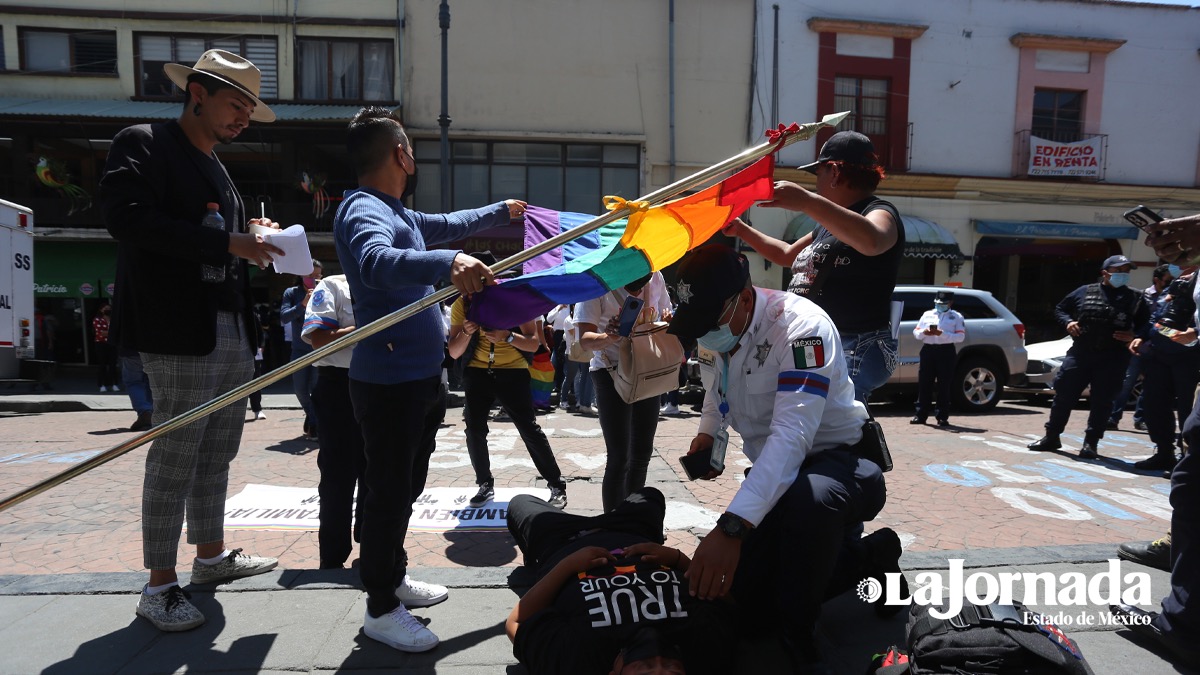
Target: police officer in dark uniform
x=1101 y=317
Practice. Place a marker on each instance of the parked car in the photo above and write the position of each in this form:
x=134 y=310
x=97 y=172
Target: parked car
x=1045 y=358
x=992 y=353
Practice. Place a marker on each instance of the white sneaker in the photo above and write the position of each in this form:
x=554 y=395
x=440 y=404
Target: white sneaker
x=261 y=415
x=669 y=409
x=399 y=629
x=103 y=390
x=233 y=566
x=420 y=594
x=116 y=388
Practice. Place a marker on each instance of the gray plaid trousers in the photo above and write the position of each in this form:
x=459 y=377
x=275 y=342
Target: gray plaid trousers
x=191 y=464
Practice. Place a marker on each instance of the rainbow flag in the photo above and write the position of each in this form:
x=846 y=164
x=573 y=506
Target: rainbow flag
x=618 y=253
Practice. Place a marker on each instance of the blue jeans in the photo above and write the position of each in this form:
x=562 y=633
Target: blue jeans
x=1131 y=378
x=303 y=383
x=136 y=384
x=577 y=385
x=870 y=359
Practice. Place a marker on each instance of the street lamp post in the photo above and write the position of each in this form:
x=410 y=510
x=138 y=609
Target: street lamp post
x=444 y=117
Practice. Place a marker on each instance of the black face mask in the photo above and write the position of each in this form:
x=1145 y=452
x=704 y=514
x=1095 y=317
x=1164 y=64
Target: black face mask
x=410 y=185
x=635 y=286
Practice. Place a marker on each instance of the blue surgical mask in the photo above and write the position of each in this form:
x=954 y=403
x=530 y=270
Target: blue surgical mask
x=1118 y=279
x=1174 y=271
x=941 y=309
x=721 y=339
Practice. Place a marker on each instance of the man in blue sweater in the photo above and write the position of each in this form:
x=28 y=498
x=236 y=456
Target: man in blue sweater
x=395 y=375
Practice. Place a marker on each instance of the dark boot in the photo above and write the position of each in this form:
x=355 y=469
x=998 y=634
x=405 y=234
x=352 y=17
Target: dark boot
x=883 y=552
x=1088 y=451
x=1163 y=460
x=1156 y=554
x=1045 y=443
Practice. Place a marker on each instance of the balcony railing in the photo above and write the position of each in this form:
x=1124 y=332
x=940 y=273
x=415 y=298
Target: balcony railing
x=1082 y=162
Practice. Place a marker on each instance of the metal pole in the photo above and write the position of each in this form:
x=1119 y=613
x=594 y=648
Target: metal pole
x=444 y=117
x=662 y=194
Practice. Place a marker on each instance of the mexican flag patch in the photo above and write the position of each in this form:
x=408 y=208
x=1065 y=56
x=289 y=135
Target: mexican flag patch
x=808 y=353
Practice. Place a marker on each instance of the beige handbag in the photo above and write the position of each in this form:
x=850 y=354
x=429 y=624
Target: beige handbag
x=649 y=363
x=575 y=351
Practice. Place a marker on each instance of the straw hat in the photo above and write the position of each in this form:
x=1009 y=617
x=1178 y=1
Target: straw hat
x=230 y=69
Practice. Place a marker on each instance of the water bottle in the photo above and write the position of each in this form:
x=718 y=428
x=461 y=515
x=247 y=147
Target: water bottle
x=211 y=273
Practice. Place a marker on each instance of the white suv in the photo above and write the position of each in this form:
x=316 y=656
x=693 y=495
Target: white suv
x=993 y=351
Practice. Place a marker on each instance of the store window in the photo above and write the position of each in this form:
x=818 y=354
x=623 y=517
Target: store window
x=1058 y=115
x=153 y=51
x=69 y=52
x=345 y=70
x=560 y=176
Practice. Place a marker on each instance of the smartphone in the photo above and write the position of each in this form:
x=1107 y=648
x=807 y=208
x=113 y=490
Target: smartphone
x=309 y=283
x=1166 y=331
x=697 y=465
x=1143 y=218
x=629 y=315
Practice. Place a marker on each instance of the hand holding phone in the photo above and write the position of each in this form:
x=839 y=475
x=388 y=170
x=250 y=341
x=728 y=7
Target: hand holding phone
x=1143 y=218
x=629 y=315
x=699 y=464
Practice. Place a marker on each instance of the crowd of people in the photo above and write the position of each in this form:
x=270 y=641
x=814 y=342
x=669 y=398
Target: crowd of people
x=790 y=371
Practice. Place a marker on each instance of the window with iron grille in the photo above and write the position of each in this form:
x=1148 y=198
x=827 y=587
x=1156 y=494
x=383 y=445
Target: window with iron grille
x=153 y=51
x=92 y=52
x=560 y=176
x=345 y=70
x=1058 y=115
x=866 y=99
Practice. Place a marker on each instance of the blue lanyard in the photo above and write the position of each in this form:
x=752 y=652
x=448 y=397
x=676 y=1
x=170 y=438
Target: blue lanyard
x=723 y=408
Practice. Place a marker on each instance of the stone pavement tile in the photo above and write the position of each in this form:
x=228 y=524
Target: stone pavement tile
x=72 y=634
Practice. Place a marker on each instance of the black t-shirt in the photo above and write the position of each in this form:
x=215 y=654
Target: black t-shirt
x=854 y=289
x=595 y=614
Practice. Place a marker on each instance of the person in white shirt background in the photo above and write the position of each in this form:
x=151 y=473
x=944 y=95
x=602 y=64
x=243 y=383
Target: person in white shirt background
x=940 y=328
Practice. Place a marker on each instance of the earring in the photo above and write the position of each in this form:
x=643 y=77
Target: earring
x=196 y=110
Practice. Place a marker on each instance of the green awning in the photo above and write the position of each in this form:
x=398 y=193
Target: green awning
x=922 y=238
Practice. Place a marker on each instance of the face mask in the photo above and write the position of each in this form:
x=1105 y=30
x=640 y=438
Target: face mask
x=1118 y=279
x=1174 y=271
x=942 y=309
x=720 y=339
x=410 y=185
x=635 y=286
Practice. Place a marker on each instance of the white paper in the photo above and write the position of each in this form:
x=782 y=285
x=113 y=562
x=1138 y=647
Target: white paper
x=297 y=258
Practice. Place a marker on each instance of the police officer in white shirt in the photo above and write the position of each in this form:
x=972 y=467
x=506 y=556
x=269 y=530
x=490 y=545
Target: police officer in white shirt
x=773 y=370
x=940 y=329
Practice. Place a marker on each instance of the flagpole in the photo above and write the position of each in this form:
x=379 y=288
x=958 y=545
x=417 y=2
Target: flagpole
x=803 y=132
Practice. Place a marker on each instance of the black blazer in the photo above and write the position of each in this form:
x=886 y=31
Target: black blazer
x=154 y=193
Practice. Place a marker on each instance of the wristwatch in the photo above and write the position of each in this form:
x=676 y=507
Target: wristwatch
x=511 y=337
x=733 y=525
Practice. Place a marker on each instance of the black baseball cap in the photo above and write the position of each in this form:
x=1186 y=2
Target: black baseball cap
x=850 y=147
x=1117 y=261
x=707 y=278
x=943 y=297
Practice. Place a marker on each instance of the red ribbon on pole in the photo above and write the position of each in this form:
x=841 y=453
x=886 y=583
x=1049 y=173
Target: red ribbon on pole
x=781 y=132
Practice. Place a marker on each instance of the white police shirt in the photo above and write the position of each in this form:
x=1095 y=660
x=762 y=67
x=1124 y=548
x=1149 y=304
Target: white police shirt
x=789 y=396
x=330 y=308
x=949 y=322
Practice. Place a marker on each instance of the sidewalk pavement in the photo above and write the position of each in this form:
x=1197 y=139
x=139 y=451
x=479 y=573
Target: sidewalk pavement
x=300 y=619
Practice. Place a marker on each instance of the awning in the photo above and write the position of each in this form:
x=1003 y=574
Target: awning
x=155 y=110
x=1033 y=228
x=922 y=238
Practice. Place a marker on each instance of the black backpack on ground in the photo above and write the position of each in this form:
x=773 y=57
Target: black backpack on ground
x=990 y=639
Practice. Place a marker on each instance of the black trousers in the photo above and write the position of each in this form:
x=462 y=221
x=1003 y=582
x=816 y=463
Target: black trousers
x=399 y=425
x=1178 y=614
x=511 y=385
x=341 y=462
x=628 y=430
x=1169 y=381
x=544 y=533
x=788 y=562
x=937 y=363
x=1104 y=371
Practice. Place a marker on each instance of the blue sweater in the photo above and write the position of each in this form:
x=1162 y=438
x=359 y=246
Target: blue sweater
x=381 y=245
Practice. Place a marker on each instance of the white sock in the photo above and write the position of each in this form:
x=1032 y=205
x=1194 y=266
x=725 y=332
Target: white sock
x=213 y=561
x=155 y=590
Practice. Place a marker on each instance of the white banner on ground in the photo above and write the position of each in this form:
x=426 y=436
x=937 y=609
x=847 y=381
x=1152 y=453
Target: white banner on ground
x=1048 y=158
x=269 y=507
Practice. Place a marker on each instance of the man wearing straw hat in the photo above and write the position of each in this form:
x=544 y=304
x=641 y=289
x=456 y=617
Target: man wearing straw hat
x=158 y=183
